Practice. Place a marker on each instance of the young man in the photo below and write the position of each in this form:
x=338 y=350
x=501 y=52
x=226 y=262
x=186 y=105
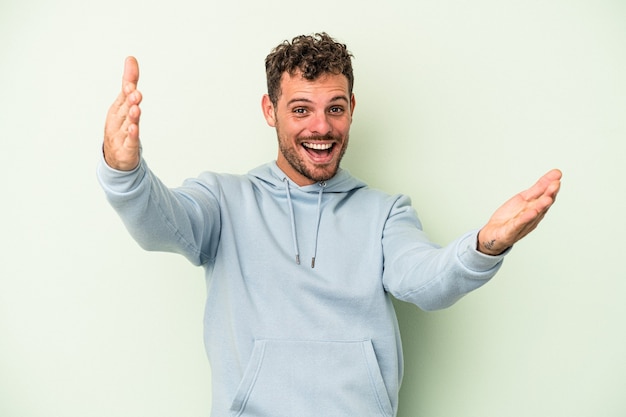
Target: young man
x=301 y=258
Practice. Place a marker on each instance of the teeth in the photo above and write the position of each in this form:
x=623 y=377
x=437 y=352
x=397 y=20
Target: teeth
x=318 y=146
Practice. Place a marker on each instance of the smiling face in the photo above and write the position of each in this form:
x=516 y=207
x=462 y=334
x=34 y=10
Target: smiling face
x=312 y=120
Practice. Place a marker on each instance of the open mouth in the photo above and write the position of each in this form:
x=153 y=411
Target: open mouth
x=319 y=149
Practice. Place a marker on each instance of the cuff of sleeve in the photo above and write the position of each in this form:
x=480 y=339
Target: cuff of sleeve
x=118 y=181
x=475 y=260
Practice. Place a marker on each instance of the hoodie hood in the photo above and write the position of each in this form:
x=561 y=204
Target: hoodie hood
x=276 y=179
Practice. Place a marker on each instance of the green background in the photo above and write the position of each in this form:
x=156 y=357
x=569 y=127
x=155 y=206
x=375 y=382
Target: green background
x=460 y=104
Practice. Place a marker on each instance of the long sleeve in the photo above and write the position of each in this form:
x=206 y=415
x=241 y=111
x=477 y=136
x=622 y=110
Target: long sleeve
x=185 y=220
x=422 y=273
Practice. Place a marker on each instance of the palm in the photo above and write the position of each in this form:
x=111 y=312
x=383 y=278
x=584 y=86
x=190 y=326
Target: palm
x=519 y=215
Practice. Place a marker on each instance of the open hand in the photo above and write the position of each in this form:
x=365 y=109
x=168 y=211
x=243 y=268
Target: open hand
x=520 y=215
x=121 y=131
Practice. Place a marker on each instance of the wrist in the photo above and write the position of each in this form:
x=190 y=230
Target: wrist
x=489 y=246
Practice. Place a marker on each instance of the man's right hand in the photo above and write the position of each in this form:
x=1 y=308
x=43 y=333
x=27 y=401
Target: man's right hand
x=121 y=131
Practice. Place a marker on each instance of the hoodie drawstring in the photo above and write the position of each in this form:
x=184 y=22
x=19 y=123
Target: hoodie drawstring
x=293 y=221
x=317 y=224
x=294 y=235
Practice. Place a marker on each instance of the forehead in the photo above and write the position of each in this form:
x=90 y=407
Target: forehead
x=326 y=86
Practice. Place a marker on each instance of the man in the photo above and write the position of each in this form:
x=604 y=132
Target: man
x=301 y=258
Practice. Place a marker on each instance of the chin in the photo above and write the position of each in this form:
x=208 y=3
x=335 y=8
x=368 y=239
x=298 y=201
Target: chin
x=323 y=174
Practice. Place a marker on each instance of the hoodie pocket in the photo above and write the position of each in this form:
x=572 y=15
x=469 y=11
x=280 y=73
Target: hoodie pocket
x=312 y=378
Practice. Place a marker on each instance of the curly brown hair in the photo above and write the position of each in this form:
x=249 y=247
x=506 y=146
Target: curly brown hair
x=312 y=55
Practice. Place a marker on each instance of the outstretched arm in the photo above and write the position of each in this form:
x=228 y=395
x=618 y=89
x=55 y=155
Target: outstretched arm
x=121 y=131
x=520 y=215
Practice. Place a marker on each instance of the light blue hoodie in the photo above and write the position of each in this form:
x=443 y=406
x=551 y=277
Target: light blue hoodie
x=299 y=320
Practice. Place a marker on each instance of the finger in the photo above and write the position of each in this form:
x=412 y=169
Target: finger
x=133 y=136
x=548 y=182
x=554 y=189
x=130 y=78
x=134 y=114
x=133 y=101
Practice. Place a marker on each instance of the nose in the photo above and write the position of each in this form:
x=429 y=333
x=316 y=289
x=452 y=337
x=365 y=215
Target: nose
x=319 y=124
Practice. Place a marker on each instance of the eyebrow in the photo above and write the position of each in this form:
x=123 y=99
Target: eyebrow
x=306 y=100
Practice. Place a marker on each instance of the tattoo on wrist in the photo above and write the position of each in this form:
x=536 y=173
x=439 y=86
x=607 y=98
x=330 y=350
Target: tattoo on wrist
x=489 y=245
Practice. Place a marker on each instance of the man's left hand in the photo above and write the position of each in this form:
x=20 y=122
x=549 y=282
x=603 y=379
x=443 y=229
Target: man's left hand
x=520 y=215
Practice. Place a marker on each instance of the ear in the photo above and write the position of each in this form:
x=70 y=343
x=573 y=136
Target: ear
x=268 y=110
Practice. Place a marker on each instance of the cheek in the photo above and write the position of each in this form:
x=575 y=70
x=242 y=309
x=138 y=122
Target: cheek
x=343 y=127
x=290 y=130
x=286 y=136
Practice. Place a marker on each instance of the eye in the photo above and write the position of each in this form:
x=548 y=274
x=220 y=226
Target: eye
x=299 y=110
x=336 y=110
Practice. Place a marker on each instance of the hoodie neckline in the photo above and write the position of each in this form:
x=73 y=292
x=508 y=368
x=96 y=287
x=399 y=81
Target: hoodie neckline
x=341 y=182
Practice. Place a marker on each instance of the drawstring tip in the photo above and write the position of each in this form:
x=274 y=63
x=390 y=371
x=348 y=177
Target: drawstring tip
x=313 y=262
x=298 y=259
